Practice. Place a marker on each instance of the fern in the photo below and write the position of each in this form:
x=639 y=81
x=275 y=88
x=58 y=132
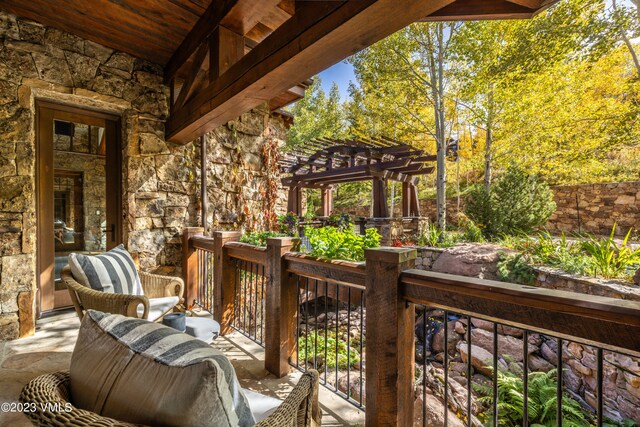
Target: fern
x=542 y=402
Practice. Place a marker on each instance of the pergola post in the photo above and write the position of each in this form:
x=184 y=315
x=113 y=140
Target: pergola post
x=294 y=202
x=410 y=206
x=380 y=208
x=327 y=201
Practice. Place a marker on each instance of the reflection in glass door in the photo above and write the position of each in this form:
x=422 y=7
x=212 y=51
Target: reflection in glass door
x=77 y=200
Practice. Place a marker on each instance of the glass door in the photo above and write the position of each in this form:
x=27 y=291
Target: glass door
x=79 y=178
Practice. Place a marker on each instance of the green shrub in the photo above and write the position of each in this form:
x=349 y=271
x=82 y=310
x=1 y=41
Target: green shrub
x=433 y=237
x=315 y=344
x=516 y=269
x=333 y=243
x=609 y=259
x=259 y=238
x=516 y=203
x=542 y=401
x=288 y=224
x=340 y=221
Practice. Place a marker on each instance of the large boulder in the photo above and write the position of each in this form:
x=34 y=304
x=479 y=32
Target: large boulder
x=469 y=259
x=435 y=411
x=481 y=359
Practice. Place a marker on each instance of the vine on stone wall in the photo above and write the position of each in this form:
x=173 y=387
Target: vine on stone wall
x=270 y=158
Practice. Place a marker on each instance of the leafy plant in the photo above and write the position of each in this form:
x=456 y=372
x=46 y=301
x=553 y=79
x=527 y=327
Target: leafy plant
x=340 y=221
x=288 y=224
x=259 y=238
x=516 y=268
x=432 y=236
x=333 y=243
x=608 y=258
x=542 y=401
x=314 y=344
x=517 y=202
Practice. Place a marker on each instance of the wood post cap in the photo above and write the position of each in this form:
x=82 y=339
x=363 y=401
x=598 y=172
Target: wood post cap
x=281 y=241
x=227 y=234
x=390 y=254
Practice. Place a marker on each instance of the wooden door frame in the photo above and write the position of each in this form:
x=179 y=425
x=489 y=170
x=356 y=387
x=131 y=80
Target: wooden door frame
x=46 y=112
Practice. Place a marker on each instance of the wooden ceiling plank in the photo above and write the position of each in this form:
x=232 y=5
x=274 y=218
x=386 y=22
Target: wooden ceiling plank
x=317 y=36
x=207 y=23
x=141 y=43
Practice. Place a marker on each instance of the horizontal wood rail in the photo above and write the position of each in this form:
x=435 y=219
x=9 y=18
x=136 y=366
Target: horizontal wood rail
x=609 y=323
x=343 y=272
x=246 y=252
x=203 y=243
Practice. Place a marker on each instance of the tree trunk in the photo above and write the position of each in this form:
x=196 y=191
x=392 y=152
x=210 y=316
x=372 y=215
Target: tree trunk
x=437 y=85
x=488 y=148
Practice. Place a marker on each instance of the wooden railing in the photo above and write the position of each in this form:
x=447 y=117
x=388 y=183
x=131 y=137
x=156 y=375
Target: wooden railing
x=389 y=290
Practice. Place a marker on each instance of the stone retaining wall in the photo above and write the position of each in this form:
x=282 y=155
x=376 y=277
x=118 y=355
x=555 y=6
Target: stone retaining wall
x=160 y=180
x=591 y=208
x=621 y=372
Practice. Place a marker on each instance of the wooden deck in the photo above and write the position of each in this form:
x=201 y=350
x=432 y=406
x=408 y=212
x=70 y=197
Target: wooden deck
x=51 y=347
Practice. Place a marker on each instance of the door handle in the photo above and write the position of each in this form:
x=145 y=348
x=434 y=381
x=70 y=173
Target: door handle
x=113 y=232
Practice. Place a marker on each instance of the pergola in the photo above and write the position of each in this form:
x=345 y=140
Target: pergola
x=322 y=163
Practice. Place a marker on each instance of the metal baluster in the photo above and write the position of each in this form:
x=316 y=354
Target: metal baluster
x=315 y=332
x=337 y=333
x=326 y=326
x=298 y=318
x=244 y=297
x=361 y=341
x=236 y=304
x=495 y=374
x=469 y=371
x=446 y=369
x=348 y=342
x=306 y=323
x=424 y=367
x=600 y=381
x=262 y=307
x=525 y=380
x=560 y=384
x=250 y=296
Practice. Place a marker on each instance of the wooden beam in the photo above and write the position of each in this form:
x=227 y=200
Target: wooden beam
x=327 y=201
x=316 y=37
x=208 y=22
x=227 y=47
x=194 y=78
x=380 y=208
x=462 y=10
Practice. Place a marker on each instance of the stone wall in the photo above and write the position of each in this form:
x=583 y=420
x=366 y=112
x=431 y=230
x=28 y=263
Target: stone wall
x=594 y=208
x=160 y=180
x=591 y=208
x=621 y=373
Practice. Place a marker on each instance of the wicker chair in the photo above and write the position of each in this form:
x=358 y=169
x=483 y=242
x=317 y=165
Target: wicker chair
x=155 y=286
x=300 y=408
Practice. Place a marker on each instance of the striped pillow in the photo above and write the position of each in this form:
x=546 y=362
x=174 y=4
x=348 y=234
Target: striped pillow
x=112 y=271
x=146 y=373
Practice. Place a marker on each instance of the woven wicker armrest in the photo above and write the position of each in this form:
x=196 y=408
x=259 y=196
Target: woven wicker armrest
x=157 y=286
x=300 y=408
x=48 y=396
x=85 y=298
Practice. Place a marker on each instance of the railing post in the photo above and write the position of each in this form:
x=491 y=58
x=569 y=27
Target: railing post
x=280 y=304
x=389 y=339
x=190 y=264
x=223 y=280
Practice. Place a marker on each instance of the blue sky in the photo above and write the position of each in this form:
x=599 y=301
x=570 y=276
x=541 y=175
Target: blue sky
x=341 y=73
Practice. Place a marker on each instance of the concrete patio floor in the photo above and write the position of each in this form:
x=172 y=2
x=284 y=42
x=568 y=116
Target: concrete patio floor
x=50 y=350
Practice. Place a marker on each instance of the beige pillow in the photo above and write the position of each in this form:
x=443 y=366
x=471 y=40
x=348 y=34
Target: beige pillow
x=145 y=373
